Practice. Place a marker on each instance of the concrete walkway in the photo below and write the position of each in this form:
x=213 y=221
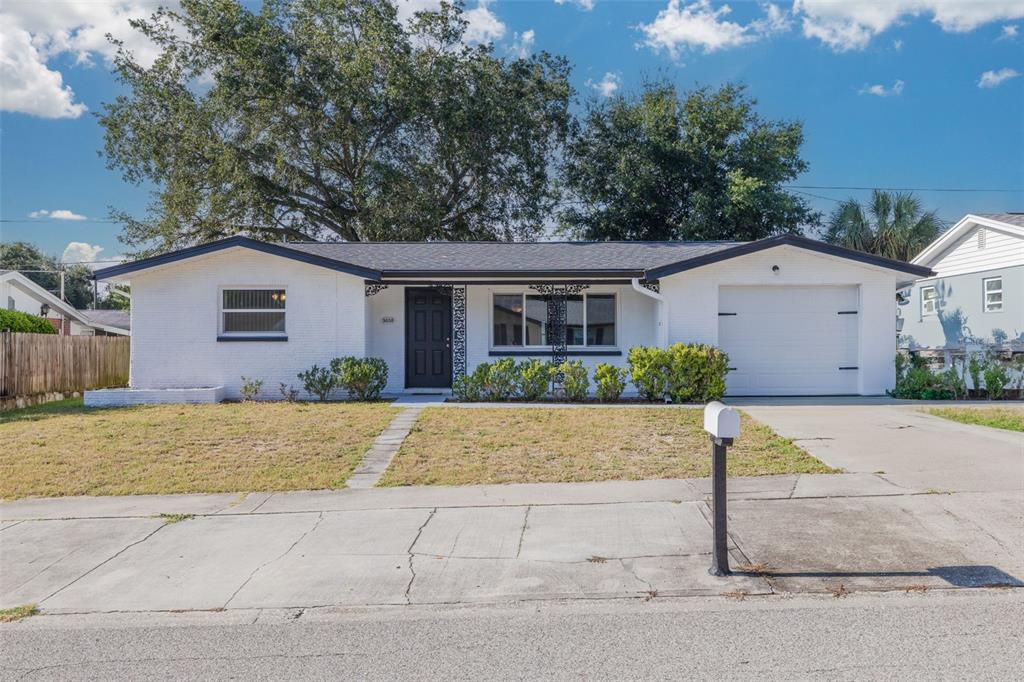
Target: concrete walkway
x=385 y=447
x=946 y=513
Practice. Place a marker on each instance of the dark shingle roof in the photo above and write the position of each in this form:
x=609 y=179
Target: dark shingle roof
x=492 y=257
x=1011 y=218
x=649 y=260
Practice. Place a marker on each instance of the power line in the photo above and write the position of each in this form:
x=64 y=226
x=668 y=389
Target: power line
x=903 y=189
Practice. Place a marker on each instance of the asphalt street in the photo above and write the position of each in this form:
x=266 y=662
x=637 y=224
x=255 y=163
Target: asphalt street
x=976 y=635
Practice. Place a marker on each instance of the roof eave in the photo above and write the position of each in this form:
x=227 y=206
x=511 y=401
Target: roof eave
x=511 y=274
x=788 y=240
x=233 y=242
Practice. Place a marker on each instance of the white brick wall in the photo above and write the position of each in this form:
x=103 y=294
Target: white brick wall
x=692 y=297
x=175 y=322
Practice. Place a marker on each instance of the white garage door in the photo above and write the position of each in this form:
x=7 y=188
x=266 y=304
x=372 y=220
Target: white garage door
x=789 y=340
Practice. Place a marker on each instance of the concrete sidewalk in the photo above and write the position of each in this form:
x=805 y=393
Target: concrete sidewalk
x=494 y=543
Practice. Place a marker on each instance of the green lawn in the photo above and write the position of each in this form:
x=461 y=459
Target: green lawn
x=1008 y=418
x=63 y=448
x=464 y=446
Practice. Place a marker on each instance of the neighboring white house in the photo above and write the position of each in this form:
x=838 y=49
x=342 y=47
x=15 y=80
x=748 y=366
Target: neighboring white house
x=18 y=292
x=977 y=292
x=796 y=316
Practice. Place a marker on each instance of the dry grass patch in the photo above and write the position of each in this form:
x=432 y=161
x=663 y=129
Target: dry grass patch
x=18 y=613
x=1008 y=418
x=66 y=449
x=454 y=446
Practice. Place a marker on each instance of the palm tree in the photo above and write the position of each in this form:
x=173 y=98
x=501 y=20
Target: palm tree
x=893 y=225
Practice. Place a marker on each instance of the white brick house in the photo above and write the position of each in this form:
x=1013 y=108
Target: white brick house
x=797 y=317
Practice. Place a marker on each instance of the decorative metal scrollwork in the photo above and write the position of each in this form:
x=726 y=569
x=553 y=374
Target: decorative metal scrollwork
x=458 y=294
x=554 y=296
x=374 y=289
x=654 y=286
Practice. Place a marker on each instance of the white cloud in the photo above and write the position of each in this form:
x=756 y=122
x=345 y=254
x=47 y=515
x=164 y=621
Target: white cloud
x=522 y=44
x=27 y=85
x=484 y=25
x=700 y=26
x=582 y=4
x=847 y=26
x=1009 y=32
x=991 y=79
x=80 y=252
x=34 y=33
x=59 y=214
x=897 y=45
x=881 y=91
x=608 y=85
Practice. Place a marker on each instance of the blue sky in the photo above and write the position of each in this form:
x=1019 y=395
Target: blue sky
x=906 y=93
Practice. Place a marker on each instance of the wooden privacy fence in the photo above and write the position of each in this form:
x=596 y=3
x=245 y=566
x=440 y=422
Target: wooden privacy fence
x=44 y=363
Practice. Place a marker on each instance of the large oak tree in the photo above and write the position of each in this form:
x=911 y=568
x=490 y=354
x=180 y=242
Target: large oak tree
x=328 y=119
x=662 y=166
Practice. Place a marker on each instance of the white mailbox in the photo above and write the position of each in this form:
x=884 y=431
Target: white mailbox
x=721 y=421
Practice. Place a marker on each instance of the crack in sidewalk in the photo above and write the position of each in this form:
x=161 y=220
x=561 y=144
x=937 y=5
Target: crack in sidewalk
x=522 y=532
x=105 y=561
x=285 y=553
x=412 y=570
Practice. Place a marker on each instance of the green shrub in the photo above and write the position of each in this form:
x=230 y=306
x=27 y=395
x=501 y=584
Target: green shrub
x=470 y=387
x=534 y=377
x=497 y=381
x=16 y=321
x=696 y=373
x=250 y=388
x=685 y=373
x=502 y=380
x=647 y=370
x=915 y=381
x=996 y=378
x=610 y=380
x=363 y=378
x=574 y=380
x=318 y=381
x=975 y=365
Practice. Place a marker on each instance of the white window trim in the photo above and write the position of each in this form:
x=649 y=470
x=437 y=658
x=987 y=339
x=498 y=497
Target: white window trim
x=985 y=292
x=934 y=301
x=243 y=287
x=524 y=347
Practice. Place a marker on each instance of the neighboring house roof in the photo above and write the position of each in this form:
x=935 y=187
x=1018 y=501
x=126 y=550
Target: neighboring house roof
x=115 y=319
x=380 y=260
x=40 y=294
x=1010 y=223
x=64 y=308
x=1008 y=218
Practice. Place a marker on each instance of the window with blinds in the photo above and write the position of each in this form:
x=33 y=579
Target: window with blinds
x=253 y=312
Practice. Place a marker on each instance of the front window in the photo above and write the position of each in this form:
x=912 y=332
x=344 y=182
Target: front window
x=253 y=312
x=993 y=287
x=929 y=298
x=522 y=320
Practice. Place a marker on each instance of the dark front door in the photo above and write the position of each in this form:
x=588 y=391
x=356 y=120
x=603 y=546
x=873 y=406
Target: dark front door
x=428 y=339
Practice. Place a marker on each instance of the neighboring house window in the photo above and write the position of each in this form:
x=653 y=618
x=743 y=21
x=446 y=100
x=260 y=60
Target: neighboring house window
x=929 y=299
x=522 y=320
x=247 y=312
x=993 y=288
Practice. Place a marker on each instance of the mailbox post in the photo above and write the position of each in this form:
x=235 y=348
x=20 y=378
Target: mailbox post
x=723 y=426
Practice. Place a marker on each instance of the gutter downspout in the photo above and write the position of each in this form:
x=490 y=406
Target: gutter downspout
x=662 y=310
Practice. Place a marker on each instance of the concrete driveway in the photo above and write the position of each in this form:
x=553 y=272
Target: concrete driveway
x=945 y=513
